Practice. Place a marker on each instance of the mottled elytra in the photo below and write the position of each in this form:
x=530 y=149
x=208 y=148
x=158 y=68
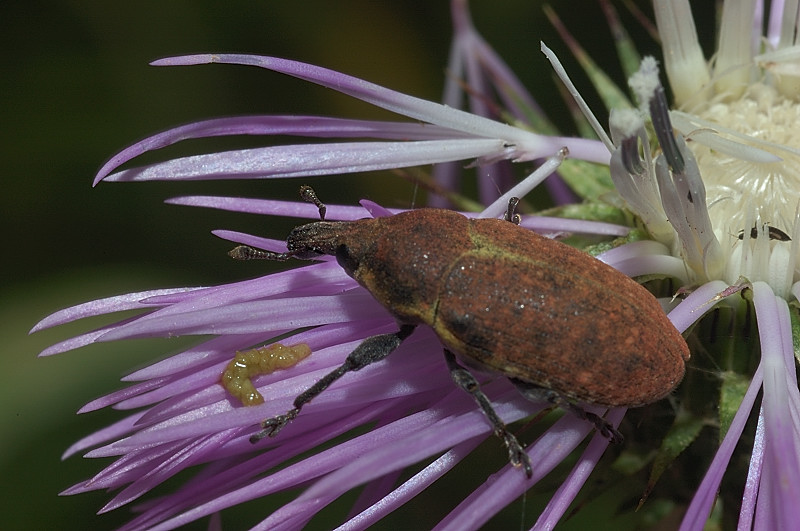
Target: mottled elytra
x=561 y=325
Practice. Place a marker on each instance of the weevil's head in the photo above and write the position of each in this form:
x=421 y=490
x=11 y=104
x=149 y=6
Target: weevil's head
x=343 y=239
x=351 y=242
x=316 y=239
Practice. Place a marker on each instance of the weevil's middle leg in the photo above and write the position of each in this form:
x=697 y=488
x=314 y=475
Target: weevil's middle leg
x=466 y=381
x=534 y=392
x=368 y=352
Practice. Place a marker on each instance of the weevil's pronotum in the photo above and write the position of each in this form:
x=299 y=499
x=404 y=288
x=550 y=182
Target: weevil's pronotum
x=262 y=360
x=561 y=325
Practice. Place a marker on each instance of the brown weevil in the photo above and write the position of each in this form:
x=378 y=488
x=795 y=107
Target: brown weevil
x=561 y=325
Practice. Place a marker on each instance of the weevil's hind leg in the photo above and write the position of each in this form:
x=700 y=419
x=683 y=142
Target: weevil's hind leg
x=466 y=381
x=536 y=393
x=369 y=351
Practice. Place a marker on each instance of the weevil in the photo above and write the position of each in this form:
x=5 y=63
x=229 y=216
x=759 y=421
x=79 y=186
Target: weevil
x=560 y=324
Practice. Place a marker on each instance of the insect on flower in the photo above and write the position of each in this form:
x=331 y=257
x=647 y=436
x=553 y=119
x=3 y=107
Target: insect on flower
x=561 y=325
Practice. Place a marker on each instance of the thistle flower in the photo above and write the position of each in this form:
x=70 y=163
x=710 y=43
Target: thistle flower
x=719 y=194
x=187 y=420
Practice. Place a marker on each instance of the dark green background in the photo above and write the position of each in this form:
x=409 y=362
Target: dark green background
x=76 y=87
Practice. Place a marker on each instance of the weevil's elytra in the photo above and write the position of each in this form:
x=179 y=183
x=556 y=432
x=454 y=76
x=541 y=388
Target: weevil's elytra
x=262 y=360
x=559 y=323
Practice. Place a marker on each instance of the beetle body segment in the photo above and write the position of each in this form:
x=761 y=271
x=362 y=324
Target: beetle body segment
x=511 y=300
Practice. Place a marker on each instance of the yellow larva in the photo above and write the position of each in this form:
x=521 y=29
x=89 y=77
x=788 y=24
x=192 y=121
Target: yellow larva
x=261 y=360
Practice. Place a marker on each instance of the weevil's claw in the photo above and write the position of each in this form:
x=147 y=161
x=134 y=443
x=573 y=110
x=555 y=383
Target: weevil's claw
x=613 y=435
x=271 y=427
x=258 y=436
x=525 y=461
x=518 y=456
x=605 y=428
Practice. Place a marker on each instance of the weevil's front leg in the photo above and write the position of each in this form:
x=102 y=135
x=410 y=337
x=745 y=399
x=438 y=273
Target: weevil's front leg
x=466 y=381
x=368 y=352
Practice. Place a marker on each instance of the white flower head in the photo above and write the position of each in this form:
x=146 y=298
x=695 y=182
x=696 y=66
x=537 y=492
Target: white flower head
x=737 y=116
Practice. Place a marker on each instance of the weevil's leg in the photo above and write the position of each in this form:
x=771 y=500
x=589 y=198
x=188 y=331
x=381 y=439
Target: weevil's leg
x=466 y=381
x=511 y=214
x=369 y=351
x=536 y=393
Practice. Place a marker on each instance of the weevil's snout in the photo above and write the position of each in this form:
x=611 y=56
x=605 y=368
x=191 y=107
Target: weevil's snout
x=313 y=240
x=300 y=250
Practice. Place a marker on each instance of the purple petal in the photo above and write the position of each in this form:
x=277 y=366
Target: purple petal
x=528 y=146
x=568 y=490
x=750 y=495
x=696 y=304
x=700 y=507
x=311 y=159
x=412 y=487
x=391 y=100
x=175 y=462
x=375 y=210
x=406 y=446
x=114 y=431
x=268 y=244
x=780 y=484
x=293 y=209
x=496 y=493
x=313 y=126
x=252 y=317
x=129 y=301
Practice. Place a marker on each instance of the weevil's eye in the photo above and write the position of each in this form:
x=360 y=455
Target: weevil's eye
x=346 y=260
